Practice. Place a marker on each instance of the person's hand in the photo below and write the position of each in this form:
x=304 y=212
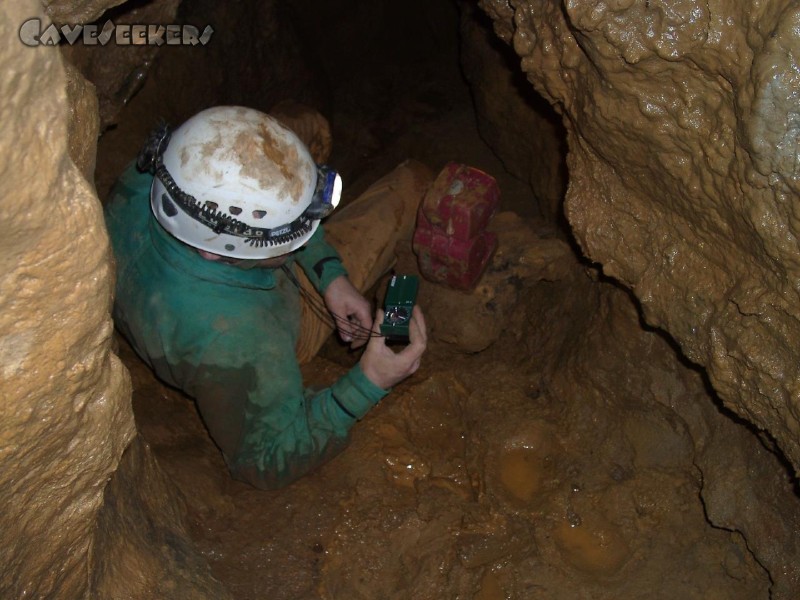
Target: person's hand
x=383 y=366
x=352 y=313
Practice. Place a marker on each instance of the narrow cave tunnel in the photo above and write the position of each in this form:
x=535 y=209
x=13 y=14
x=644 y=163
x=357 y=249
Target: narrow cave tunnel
x=609 y=413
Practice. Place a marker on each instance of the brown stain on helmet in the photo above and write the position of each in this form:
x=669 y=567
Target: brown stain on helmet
x=277 y=151
x=270 y=160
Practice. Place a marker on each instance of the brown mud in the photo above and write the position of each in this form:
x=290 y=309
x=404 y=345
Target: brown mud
x=549 y=447
x=501 y=474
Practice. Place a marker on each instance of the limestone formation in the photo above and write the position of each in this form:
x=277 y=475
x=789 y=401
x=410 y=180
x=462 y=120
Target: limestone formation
x=118 y=71
x=683 y=145
x=77 y=11
x=75 y=514
x=84 y=122
x=513 y=119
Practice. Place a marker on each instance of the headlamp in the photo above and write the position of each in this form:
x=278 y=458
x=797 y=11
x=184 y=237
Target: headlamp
x=327 y=193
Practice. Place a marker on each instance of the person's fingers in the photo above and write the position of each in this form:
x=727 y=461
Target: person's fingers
x=349 y=328
x=413 y=352
x=363 y=314
x=361 y=335
x=345 y=330
x=362 y=322
x=375 y=333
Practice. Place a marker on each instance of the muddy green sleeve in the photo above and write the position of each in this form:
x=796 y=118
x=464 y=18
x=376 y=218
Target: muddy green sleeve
x=320 y=261
x=287 y=430
x=127 y=212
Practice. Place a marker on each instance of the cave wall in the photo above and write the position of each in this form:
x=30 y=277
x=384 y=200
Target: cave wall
x=681 y=137
x=682 y=127
x=253 y=58
x=86 y=510
x=516 y=122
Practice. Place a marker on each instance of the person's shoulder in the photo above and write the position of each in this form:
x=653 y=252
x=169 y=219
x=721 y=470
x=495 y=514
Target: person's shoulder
x=132 y=186
x=128 y=210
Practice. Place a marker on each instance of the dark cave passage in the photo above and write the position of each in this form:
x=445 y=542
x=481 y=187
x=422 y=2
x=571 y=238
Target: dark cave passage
x=399 y=91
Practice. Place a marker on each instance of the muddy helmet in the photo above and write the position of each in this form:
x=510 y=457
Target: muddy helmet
x=235 y=182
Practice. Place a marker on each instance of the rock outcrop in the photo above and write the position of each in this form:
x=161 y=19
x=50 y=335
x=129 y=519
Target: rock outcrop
x=683 y=151
x=86 y=511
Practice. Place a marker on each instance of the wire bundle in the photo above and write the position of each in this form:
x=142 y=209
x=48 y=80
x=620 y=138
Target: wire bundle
x=321 y=311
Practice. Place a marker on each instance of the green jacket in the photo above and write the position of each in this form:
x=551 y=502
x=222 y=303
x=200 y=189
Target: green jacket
x=226 y=336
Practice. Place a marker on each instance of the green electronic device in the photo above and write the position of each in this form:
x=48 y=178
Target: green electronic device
x=401 y=294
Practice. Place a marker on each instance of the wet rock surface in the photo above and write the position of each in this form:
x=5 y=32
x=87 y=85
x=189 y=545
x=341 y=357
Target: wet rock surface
x=119 y=71
x=515 y=121
x=85 y=507
x=76 y=11
x=683 y=159
x=62 y=391
x=140 y=547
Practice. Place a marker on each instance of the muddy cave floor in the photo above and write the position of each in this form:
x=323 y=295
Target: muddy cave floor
x=484 y=476
x=507 y=473
x=471 y=480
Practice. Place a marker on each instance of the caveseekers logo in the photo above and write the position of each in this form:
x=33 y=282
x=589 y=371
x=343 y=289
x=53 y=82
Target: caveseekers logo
x=32 y=34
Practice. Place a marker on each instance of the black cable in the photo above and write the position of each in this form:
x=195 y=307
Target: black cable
x=322 y=312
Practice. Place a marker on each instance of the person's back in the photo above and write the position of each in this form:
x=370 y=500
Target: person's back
x=206 y=295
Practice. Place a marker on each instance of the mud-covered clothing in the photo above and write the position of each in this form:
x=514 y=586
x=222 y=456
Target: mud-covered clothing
x=226 y=336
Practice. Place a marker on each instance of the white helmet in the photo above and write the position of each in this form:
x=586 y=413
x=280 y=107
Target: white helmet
x=235 y=182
